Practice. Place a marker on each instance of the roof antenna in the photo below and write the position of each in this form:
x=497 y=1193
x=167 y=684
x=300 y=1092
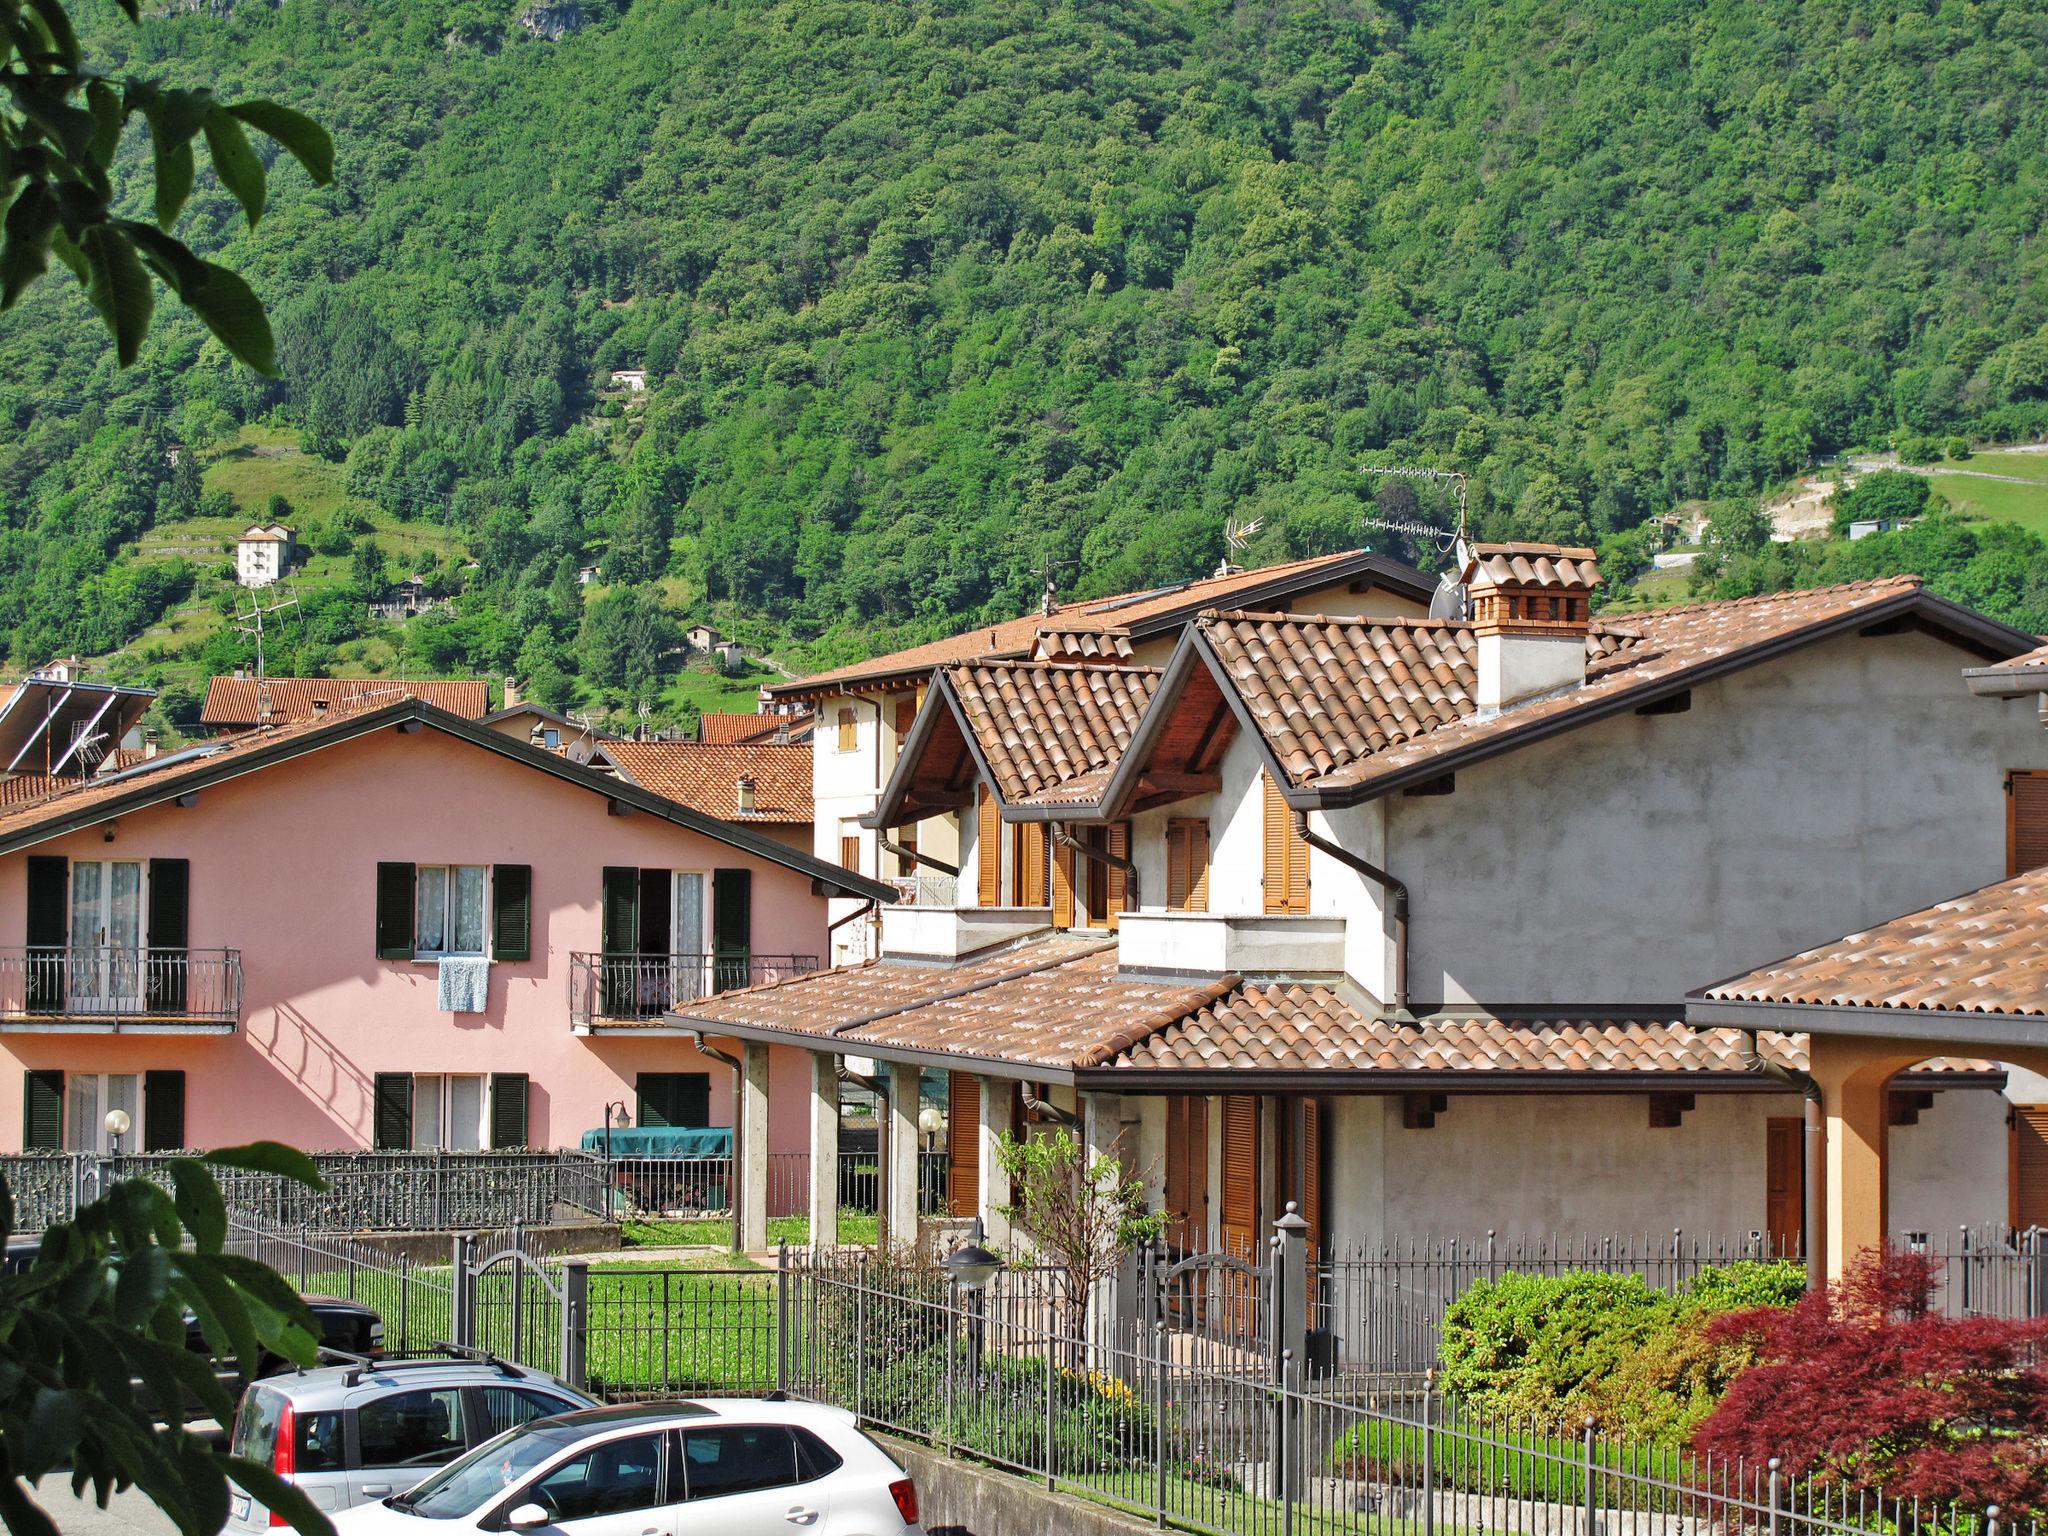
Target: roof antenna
x=251 y=623
x=1450 y=601
x=1049 y=597
x=1236 y=538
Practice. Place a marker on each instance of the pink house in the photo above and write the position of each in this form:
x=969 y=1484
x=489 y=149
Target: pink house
x=388 y=927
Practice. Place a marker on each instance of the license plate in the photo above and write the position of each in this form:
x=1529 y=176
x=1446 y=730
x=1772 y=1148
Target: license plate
x=240 y=1506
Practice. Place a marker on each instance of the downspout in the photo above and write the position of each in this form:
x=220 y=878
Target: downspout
x=858 y=912
x=1816 y=1148
x=1061 y=836
x=1038 y=1107
x=1397 y=897
x=739 y=1123
x=889 y=845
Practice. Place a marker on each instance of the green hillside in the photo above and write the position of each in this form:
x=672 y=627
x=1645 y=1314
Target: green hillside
x=928 y=294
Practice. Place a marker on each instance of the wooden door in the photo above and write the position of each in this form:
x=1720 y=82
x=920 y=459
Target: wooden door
x=963 y=1144
x=2026 y=820
x=1286 y=881
x=2030 y=1165
x=1785 y=1183
x=1187 y=1174
x=1239 y=1224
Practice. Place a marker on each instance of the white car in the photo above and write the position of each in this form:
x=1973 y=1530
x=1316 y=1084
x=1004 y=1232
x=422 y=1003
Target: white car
x=709 y=1467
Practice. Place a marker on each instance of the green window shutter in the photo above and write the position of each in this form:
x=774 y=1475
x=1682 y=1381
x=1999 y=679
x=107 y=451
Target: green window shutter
x=732 y=927
x=42 y=1111
x=163 y=1111
x=673 y=1098
x=49 y=901
x=620 y=936
x=170 y=888
x=512 y=912
x=393 y=1111
x=394 y=911
x=508 y=1110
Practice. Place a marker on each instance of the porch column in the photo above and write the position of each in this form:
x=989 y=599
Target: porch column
x=753 y=1172
x=901 y=1149
x=1105 y=1133
x=824 y=1151
x=994 y=1182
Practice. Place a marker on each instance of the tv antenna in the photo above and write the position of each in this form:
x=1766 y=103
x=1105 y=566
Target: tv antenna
x=1444 y=539
x=1049 y=596
x=251 y=623
x=1237 y=537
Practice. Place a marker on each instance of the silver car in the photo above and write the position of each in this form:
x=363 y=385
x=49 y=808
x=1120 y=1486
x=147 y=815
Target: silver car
x=366 y=1429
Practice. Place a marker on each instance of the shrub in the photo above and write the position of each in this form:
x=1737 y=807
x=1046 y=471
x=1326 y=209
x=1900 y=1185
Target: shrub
x=1530 y=1345
x=1747 y=1283
x=1958 y=447
x=1915 y=449
x=1885 y=493
x=1865 y=1385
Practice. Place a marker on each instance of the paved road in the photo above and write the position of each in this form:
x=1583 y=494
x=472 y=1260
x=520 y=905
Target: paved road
x=126 y=1514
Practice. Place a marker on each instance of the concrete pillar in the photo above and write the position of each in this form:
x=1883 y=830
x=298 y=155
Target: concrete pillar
x=994 y=1182
x=753 y=1173
x=1106 y=1133
x=824 y=1151
x=901 y=1148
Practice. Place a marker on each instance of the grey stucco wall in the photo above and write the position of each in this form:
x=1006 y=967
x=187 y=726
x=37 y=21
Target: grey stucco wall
x=1634 y=859
x=960 y=1498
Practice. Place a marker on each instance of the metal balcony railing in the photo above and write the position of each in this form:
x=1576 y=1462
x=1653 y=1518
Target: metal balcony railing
x=109 y=987
x=641 y=988
x=927 y=890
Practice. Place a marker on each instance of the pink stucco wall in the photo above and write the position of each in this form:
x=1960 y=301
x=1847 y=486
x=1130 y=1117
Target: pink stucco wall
x=283 y=868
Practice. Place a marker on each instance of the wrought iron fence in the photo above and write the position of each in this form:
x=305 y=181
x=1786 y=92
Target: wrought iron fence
x=927 y=890
x=98 y=986
x=657 y=1190
x=661 y=1332
x=367 y=1191
x=641 y=988
x=416 y=1301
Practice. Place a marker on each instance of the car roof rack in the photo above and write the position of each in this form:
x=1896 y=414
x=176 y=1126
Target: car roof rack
x=448 y=1354
x=474 y=1356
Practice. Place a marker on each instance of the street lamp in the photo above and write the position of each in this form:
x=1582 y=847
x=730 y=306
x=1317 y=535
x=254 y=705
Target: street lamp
x=117 y=1123
x=971 y=1266
x=616 y=1110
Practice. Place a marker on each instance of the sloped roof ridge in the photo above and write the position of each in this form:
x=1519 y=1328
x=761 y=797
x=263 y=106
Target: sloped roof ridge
x=1041 y=664
x=1375 y=621
x=1905 y=581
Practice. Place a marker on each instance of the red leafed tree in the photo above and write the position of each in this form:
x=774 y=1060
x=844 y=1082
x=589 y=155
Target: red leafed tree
x=1865 y=1386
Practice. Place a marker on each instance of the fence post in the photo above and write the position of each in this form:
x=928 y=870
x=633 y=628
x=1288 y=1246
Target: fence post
x=782 y=1315
x=1775 y=1493
x=952 y=1321
x=860 y=1335
x=462 y=1294
x=1159 y=1419
x=1290 y=1341
x=576 y=1323
x=1429 y=1452
x=1991 y=1520
x=404 y=1300
x=1586 y=1472
x=1050 y=1349
x=1285 y=1449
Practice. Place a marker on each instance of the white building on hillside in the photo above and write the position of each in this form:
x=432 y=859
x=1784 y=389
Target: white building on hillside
x=263 y=554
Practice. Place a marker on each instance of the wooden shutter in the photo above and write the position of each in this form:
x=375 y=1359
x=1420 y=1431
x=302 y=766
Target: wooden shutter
x=988 y=848
x=963 y=1143
x=849 y=851
x=620 y=920
x=906 y=714
x=49 y=902
x=732 y=928
x=2026 y=820
x=1062 y=887
x=42 y=1111
x=1239 y=1215
x=163 y=1111
x=1784 y=1183
x=512 y=912
x=394 y=911
x=508 y=1110
x=1116 y=841
x=673 y=1098
x=1286 y=880
x=170 y=883
x=1187 y=865
x=2030 y=1166
x=1187 y=1173
x=1312 y=1178
x=1032 y=839
x=392 y=1111
x=849 y=731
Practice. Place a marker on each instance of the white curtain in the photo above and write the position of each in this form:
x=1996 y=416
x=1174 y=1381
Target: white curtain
x=687 y=944
x=469 y=910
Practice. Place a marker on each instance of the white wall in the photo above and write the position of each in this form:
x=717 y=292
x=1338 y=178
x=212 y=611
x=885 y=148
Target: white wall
x=845 y=787
x=1632 y=860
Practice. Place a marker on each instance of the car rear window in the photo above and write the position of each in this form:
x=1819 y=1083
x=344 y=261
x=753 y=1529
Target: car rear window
x=255 y=1434
x=316 y=1437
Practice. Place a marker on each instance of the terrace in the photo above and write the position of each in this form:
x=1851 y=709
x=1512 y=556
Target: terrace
x=120 y=989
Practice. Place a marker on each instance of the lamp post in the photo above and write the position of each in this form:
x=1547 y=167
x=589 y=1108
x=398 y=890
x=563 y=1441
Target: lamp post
x=117 y=1123
x=931 y=1120
x=970 y=1267
x=616 y=1110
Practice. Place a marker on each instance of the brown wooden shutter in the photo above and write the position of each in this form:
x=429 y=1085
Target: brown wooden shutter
x=2030 y=1166
x=1187 y=1173
x=1062 y=887
x=849 y=731
x=2026 y=820
x=906 y=713
x=849 y=851
x=1030 y=865
x=988 y=848
x=1784 y=1183
x=1286 y=855
x=1187 y=866
x=963 y=1143
x=1312 y=1178
x=1239 y=1216
x=1116 y=841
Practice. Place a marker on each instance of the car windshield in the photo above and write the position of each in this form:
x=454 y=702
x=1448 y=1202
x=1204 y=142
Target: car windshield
x=462 y=1487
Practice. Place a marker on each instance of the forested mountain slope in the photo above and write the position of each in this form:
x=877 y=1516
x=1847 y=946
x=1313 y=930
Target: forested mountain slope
x=929 y=293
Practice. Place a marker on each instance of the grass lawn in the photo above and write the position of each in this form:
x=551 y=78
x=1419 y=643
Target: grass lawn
x=710 y=691
x=1997 y=501
x=1544 y=1467
x=653 y=1232
x=2024 y=466
x=263 y=462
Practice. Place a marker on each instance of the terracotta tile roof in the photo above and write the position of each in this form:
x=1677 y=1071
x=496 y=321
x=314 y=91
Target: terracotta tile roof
x=20 y=788
x=1010 y=638
x=720 y=729
x=1533 y=565
x=1060 y=1004
x=2038 y=657
x=1051 y=732
x=1082 y=645
x=232 y=700
x=705 y=777
x=1346 y=701
x=1985 y=952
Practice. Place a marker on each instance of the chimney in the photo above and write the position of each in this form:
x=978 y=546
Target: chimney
x=1532 y=606
x=743 y=795
x=514 y=694
x=150 y=745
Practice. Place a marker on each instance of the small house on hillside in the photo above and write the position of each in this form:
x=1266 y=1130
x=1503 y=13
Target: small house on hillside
x=701 y=637
x=263 y=554
x=402 y=600
x=632 y=380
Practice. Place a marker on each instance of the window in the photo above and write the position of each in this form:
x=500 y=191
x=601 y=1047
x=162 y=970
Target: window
x=1286 y=877
x=551 y=737
x=2026 y=820
x=509 y=1407
x=1187 y=865
x=2030 y=1166
x=611 y=1479
x=673 y=1098
x=849 y=731
x=412 y=1429
x=849 y=845
x=89 y=1098
x=449 y=911
x=739 y=1459
x=448 y=1112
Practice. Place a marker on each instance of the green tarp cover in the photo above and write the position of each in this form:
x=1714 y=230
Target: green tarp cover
x=664 y=1141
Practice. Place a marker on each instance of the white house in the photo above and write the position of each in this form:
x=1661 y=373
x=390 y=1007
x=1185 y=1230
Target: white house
x=632 y=380
x=1395 y=917
x=263 y=554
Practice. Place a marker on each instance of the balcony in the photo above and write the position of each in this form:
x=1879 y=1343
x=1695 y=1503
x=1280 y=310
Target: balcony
x=927 y=890
x=621 y=991
x=1221 y=943
x=947 y=933
x=109 y=990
